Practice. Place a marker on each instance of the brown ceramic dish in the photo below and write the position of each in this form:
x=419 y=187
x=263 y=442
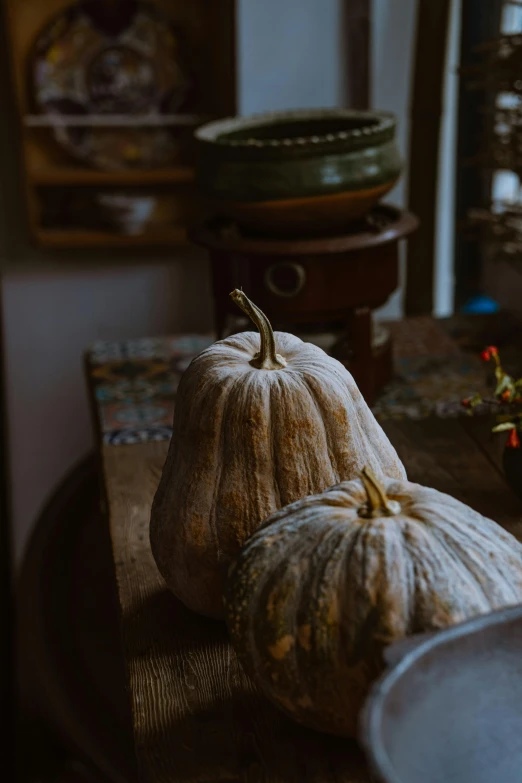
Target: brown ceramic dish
x=300 y=172
x=451 y=708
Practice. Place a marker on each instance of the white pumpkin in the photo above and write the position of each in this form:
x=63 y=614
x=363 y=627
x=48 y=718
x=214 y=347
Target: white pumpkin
x=327 y=583
x=260 y=421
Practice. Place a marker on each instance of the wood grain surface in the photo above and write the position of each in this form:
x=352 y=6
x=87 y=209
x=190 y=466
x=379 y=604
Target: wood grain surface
x=196 y=716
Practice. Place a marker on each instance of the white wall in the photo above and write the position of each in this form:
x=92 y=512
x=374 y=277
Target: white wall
x=444 y=282
x=392 y=61
x=290 y=55
x=393 y=52
x=51 y=316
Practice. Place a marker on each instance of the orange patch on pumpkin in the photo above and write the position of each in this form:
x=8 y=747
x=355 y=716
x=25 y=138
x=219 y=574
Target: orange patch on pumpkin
x=282 y=647
x=333 y=612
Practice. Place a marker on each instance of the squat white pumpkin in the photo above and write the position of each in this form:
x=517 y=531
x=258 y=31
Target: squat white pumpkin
x=326 y=584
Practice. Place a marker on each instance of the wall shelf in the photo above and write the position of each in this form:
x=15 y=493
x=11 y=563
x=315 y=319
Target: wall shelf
x=60 y=190
x=112 y=120
x=65 y=176
x=79 y=239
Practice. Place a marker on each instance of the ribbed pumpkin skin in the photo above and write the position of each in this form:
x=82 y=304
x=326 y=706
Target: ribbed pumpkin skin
x=247 y=442
x=318 y=592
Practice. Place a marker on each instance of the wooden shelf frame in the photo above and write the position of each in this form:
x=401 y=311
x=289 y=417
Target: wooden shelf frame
x=84 y=238
x=209 y=27
x=60 y=176
x=113 y=120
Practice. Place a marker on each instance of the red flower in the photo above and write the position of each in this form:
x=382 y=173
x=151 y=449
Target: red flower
x=506 y=395
x=466 y=403
x=513 y=442
x=488 y=352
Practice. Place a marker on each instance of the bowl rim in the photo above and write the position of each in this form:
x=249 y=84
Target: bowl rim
x=214 y=133
x=370 y=720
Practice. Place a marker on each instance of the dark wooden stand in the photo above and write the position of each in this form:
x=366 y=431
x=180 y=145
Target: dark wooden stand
x=303 y=284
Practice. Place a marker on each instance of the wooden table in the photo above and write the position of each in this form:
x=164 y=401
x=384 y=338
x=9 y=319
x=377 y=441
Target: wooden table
x=196 y=716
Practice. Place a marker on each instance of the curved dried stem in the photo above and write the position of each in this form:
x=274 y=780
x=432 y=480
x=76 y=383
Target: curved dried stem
x=267 y=358
x=377 y=503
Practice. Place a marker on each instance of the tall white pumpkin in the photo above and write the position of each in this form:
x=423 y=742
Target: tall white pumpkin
x=261 y=420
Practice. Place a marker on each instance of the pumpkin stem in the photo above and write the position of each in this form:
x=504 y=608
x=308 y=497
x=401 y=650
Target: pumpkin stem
x=378 y=504
x=267 y=358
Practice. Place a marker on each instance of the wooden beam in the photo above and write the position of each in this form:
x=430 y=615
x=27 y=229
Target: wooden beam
x=357 y=14
x=7 y=672
x=426 y=118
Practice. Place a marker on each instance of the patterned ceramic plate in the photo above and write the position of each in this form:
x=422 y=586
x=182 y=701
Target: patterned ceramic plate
x=117 y=57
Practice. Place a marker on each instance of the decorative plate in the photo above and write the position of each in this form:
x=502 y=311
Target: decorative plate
x=111 y=57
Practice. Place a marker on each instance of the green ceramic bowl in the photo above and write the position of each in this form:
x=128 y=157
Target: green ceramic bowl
x=307 y=171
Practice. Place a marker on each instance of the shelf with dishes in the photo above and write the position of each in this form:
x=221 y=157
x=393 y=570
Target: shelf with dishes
x=114 y=214
x=108 y=98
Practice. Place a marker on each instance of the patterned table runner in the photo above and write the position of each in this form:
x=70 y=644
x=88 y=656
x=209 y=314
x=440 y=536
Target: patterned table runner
x=436 y=365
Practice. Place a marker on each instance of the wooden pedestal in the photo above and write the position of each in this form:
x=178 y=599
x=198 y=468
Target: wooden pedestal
x=332 y=282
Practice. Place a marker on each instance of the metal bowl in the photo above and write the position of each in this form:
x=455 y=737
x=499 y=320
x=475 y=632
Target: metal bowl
x=450 y=709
